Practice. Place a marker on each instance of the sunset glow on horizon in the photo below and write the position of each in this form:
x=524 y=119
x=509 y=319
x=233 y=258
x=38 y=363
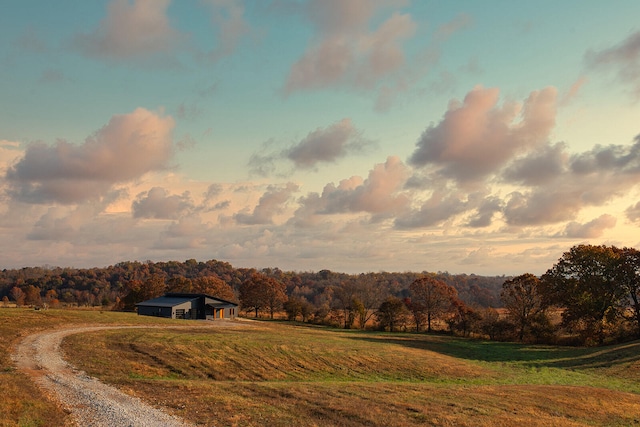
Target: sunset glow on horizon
x=349 y=135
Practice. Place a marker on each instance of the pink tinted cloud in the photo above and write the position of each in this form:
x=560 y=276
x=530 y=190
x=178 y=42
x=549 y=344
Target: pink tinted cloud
x=272 y=202
x=380 y=194
x=159 y=204
x=131 y=29
x=440 y=207
x=574 y=90
x=543 y=207
x=129 y=146
x=346 y=51
x=325 y=144
x=186 y=233
x=592 y=229
x=587 y=179
x=538 y=167
x=477 y=137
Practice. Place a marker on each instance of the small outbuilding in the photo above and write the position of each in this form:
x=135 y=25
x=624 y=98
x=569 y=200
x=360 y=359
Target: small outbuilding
x=188 y=306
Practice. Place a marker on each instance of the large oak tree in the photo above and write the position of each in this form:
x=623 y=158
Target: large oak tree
x=628 y=277
x=584 y=284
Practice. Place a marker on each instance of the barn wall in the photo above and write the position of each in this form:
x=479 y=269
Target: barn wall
x=155 y=311
x=187 y=308
x=230 y=312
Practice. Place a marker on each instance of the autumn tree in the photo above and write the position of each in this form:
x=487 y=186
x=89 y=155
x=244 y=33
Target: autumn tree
x=17 y=295
x=137 y=291
x=628 y=277
x=391 y=313
x=32 y=295
x=298 y=306
x=583 y=283
x=51 y=298
x=180 y=284
x=368 y=294
x=211 y=285
x=345 y=301
x=260 y=292
x=492 y=325
x=418 y=312
x=430 y=299
x=293 y=308
x=464 y=318
x=524 y=303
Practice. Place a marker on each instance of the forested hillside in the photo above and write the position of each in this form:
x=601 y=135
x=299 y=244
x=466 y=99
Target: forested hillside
x=111 y=285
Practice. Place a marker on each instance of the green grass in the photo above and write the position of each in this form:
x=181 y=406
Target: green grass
x=279 y=374
x=285 y=375
x=614 y=367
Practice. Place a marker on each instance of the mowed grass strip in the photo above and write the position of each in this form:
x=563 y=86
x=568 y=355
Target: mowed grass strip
x=274 y=373
x=269 y=352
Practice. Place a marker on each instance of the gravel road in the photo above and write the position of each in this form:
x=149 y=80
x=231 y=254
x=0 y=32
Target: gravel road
x=90 y=402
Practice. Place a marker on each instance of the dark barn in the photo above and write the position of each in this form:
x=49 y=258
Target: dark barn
x=188 y=306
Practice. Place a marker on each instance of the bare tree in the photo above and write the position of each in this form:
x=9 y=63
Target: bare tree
x=345 y=301
x=522 y=298
x=368 y=295
x=17 y=295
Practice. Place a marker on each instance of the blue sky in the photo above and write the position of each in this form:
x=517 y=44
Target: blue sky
x=351 y=135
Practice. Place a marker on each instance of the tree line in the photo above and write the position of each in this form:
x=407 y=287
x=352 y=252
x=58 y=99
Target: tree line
x=596 y=290
x=122 y=285
x=591 y=296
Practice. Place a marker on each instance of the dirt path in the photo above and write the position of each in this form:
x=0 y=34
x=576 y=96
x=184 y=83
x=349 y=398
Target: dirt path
x=90 y=402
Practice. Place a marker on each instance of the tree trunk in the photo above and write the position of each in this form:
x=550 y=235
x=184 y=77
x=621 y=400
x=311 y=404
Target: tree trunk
x=636 y=308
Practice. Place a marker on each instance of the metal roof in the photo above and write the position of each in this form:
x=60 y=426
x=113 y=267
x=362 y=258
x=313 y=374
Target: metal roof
x=174 y=298
x=165 y=301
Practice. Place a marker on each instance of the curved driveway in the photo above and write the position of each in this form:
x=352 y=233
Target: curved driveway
x=90 y=402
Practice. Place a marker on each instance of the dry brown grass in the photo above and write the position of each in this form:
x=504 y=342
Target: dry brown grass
x=280 y=375
x=22 y=403
x=270 y=373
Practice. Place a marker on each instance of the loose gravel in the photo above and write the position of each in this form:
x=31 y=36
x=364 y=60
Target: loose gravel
x=90 y=402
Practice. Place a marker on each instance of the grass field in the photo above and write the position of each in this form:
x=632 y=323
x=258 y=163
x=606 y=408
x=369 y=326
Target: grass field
x=21 y=402
x=273 y=373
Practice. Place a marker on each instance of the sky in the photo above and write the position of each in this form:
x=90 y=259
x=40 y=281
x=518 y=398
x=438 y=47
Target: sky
x=351 y=135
